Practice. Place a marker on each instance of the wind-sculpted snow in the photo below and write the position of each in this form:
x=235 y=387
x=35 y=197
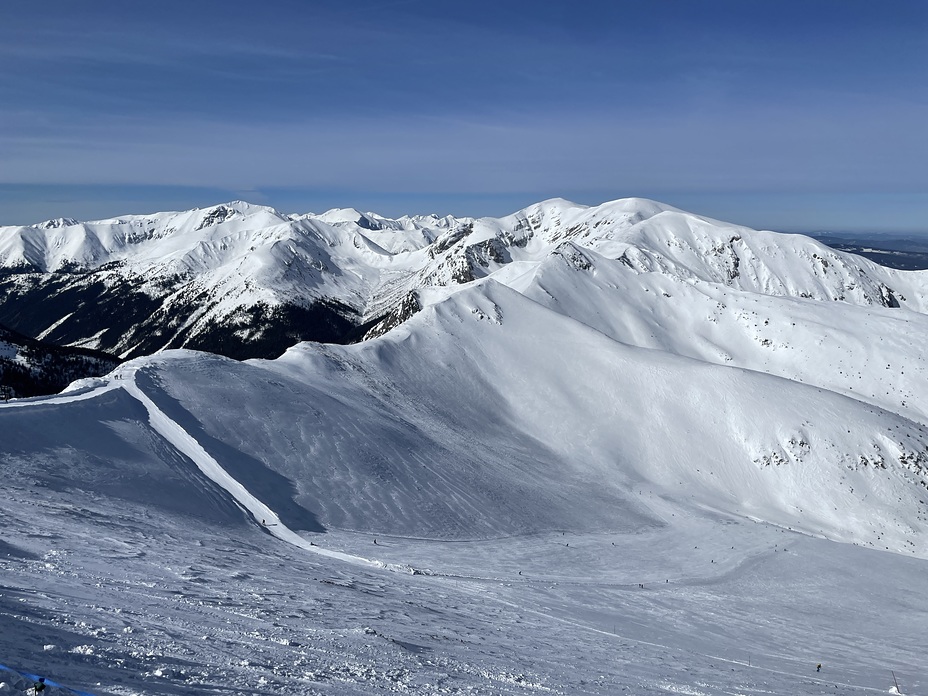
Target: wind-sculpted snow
x=488 y=415
x=586 y=517
x=188 y=446
x=867 y=352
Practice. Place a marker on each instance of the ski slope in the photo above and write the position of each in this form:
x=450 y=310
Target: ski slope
x=135 y=561
x=109 y=598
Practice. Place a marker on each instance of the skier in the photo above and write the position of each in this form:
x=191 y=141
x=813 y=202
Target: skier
x=39 y=686
x=818 y=667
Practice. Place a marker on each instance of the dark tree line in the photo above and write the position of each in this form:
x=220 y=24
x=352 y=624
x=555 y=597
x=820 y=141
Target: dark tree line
x=34 y=368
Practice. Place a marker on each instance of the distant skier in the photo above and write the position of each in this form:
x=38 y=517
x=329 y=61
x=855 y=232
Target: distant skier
x=375 y=542
x=39 y=685
x=818 y=667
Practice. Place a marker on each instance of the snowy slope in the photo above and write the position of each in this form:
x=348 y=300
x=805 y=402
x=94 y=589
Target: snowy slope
x=487 y=414
x=865 y=351
x=116 y=599
x=553 y=510
x=593 y=451
x=490 y=392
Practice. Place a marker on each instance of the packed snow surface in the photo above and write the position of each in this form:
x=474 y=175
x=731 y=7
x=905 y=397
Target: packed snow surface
x=607 y=465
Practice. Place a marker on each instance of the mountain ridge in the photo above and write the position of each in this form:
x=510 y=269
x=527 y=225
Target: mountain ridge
x=487 y=414
x=248 y=281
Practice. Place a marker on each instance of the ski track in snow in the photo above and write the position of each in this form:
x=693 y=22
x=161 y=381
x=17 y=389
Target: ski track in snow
x=266 y=519
x=83 y=395
x=485 y=591
x=171 y=431
x=264 y=516
x=551 y=616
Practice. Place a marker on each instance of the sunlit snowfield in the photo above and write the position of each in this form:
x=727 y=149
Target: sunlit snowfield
x=148 y=579
x=685 y=458
x=119 y=601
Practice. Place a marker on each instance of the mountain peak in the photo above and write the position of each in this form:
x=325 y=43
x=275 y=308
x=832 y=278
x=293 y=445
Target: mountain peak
x=338 y=216
x=57 y=223
x=220 y=269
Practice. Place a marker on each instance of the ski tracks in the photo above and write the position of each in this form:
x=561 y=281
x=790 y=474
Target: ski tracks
x=212 y=469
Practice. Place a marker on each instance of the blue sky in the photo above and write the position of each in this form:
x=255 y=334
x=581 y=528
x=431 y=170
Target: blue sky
x=780 y=114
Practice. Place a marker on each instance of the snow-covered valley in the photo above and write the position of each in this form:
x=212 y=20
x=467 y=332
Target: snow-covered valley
x=649 y=455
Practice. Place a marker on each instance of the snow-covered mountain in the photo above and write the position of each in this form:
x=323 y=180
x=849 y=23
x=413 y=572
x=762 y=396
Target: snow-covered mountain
x=613 y=292
x=581 y=450
x=247 y=281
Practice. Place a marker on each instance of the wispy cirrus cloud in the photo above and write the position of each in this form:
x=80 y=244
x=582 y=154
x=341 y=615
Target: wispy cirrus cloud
x=486 y=100
x=849 y=146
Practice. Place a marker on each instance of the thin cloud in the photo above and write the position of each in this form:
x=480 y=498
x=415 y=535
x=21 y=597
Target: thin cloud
x=780 y=149
x=426 y=99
